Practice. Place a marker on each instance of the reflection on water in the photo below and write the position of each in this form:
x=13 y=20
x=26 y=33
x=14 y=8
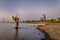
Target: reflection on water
x=16 y=35
x=8 y=32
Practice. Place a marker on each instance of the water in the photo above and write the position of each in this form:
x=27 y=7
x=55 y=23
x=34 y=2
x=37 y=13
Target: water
x=8 y=32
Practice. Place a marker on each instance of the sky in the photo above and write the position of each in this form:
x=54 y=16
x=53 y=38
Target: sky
x=29 y=9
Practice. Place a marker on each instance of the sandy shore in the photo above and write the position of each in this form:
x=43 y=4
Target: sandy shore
x=30 y=24
x=53 y=30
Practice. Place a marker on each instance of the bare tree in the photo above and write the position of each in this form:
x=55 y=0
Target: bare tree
x=16 y=19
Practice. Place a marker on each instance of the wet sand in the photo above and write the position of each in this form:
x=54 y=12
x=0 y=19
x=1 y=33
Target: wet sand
x=53 y=30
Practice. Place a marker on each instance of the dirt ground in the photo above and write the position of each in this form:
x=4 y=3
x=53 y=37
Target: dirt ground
x=53 y=30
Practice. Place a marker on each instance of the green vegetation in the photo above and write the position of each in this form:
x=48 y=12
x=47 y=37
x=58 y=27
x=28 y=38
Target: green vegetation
x=53 y=21
x=39 y=21
x=33 y=21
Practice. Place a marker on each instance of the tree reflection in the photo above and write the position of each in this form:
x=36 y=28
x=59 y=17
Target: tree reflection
x=16 y=34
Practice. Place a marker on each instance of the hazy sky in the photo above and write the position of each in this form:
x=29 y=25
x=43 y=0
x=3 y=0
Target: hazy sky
x=29 y=9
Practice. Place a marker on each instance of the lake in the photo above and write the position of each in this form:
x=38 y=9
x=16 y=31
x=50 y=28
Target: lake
x=24 y=32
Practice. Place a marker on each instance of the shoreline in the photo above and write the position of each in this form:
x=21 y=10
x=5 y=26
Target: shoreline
x=53 y=30
x=46 y=34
